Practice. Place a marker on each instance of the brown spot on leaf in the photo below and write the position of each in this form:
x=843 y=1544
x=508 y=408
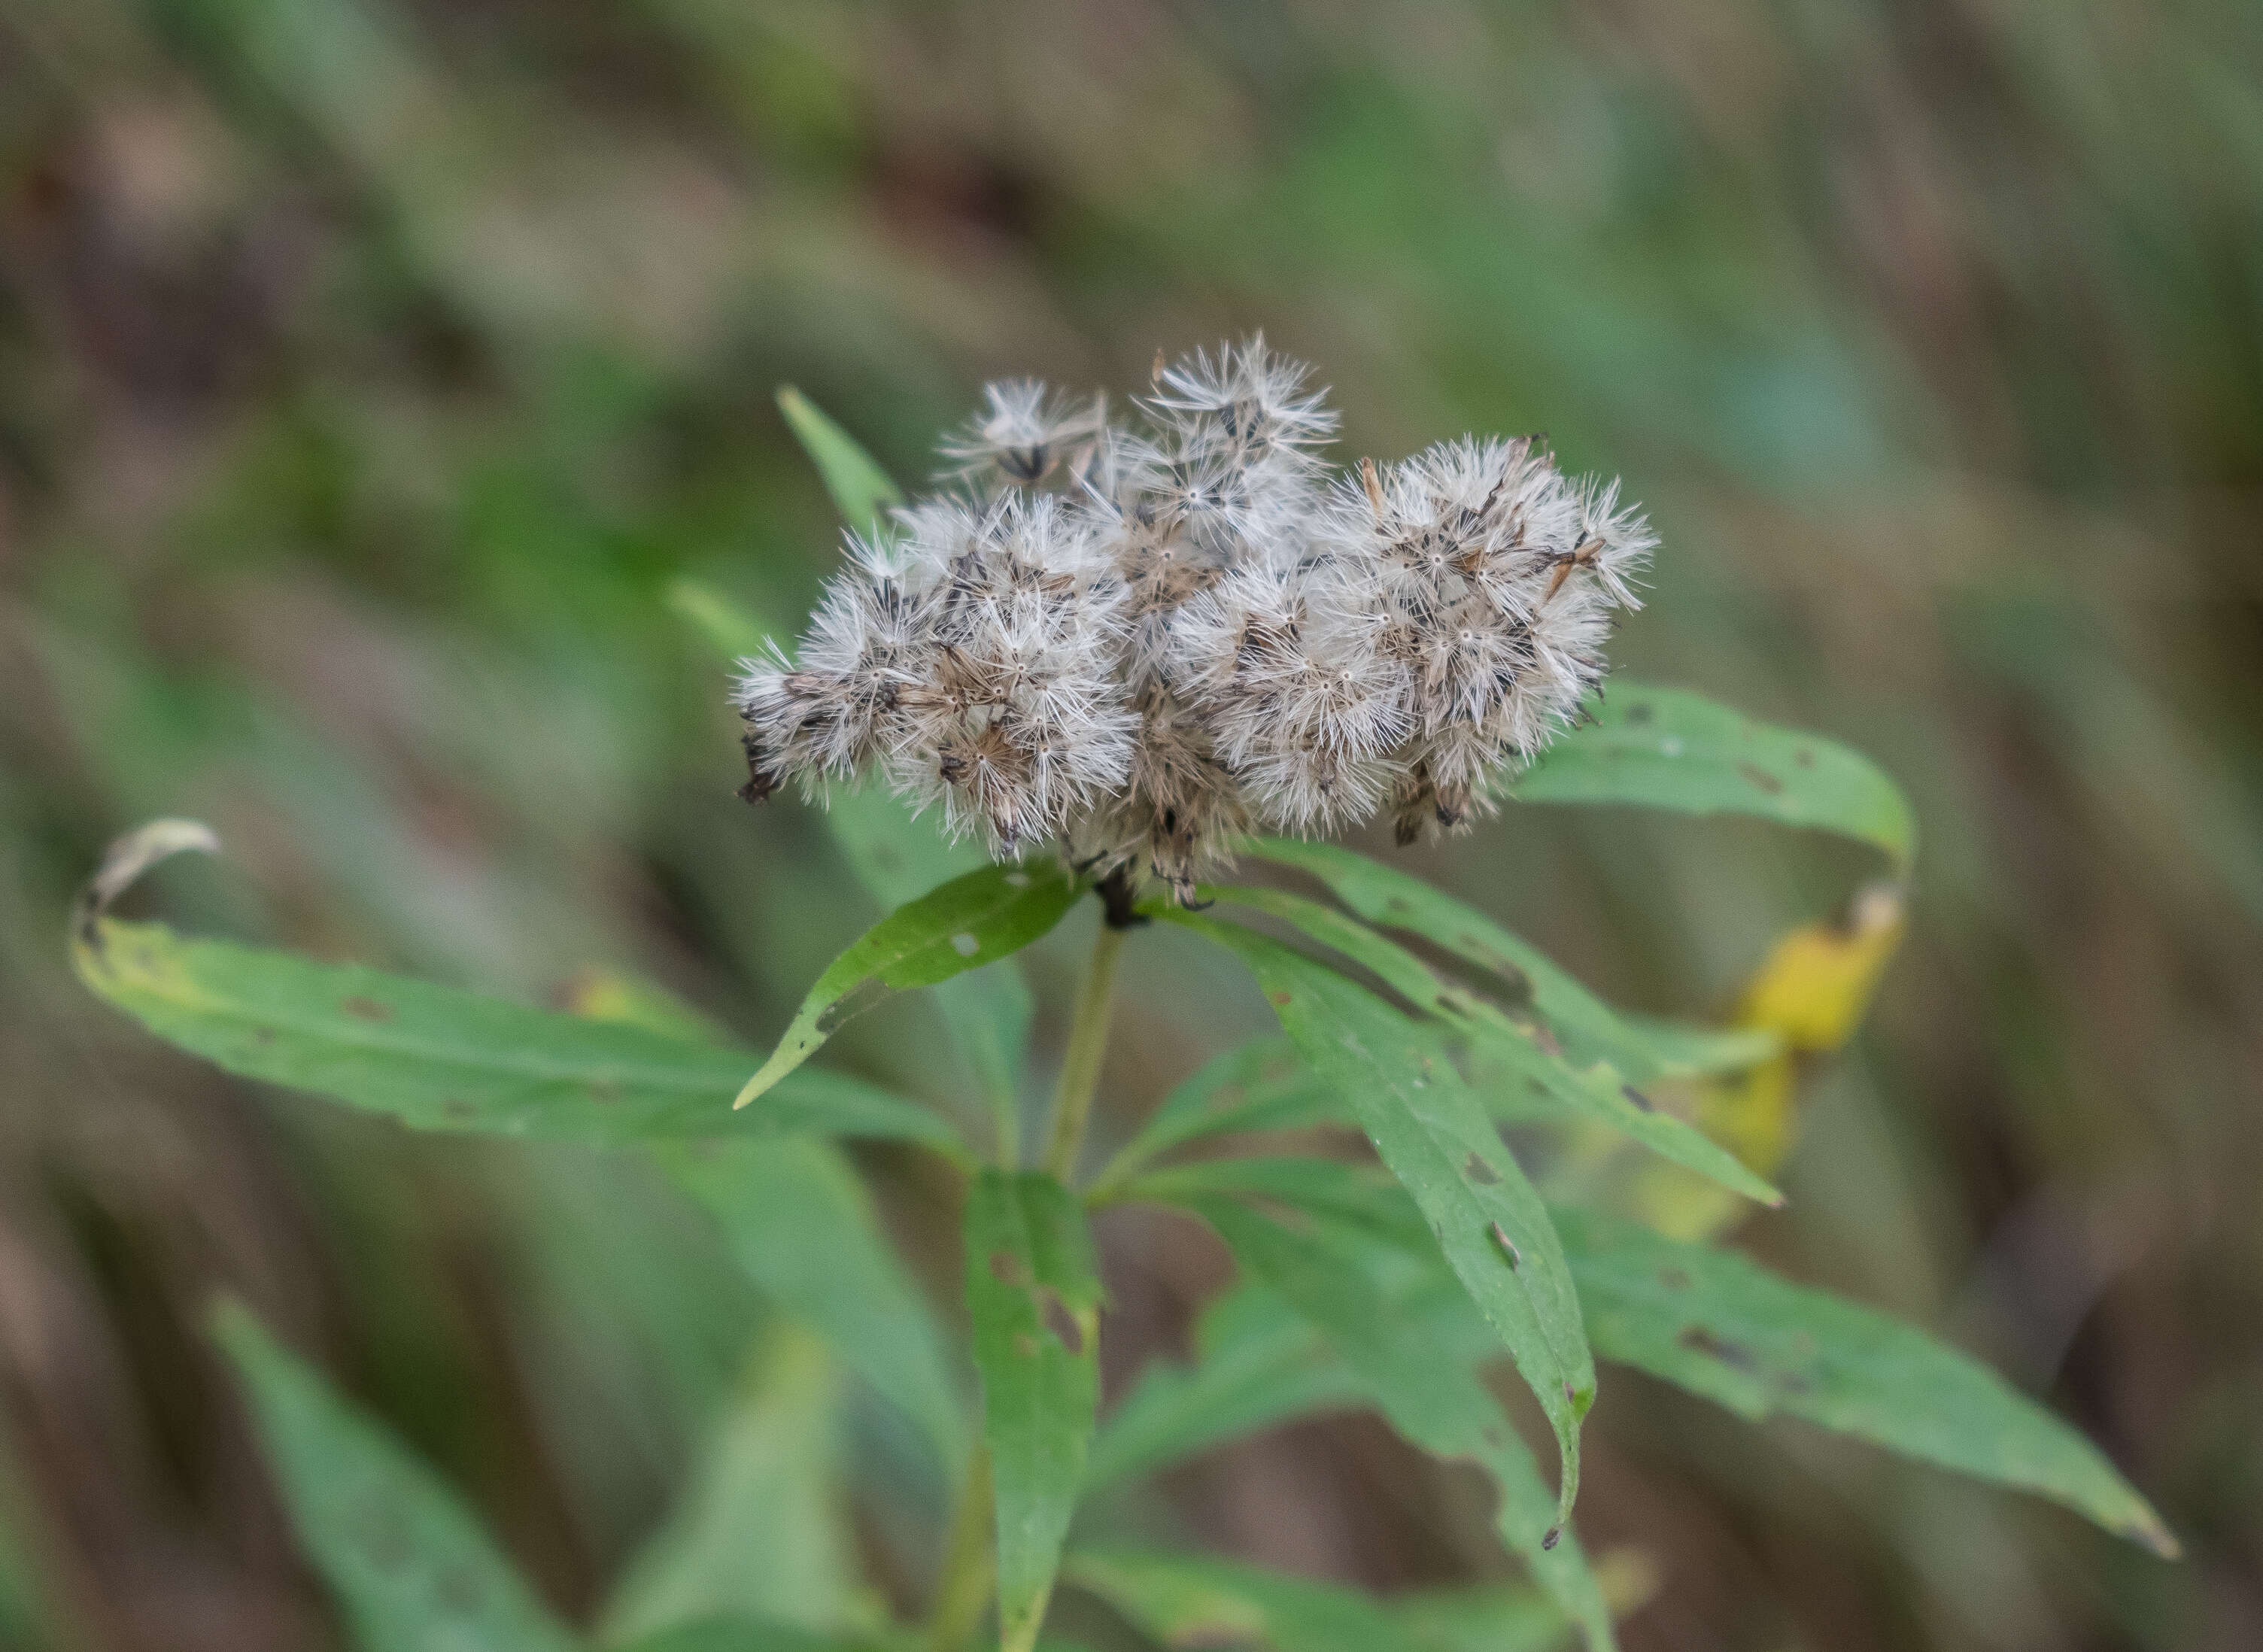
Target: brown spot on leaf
x=1007 y=1268
x=1509 y=1252
x=1060 y=1322
x=1675 y=1279
x=1637 y=1098
x=1278 y=998
x=456 y=1108
x=1804 y=756
x=604 y=1091
x=1698 y=1339
x=1478 y=1171
x=366 y=1009
x=1640 y=711
x=1761 y=777
x=262 y=1034
x=1025 y=1345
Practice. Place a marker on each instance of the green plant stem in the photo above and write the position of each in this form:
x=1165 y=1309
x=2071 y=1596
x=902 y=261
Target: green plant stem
x=969 y=1567
x=1088 y=1042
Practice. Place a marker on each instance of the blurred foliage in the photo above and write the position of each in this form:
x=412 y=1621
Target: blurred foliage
x=371 y=371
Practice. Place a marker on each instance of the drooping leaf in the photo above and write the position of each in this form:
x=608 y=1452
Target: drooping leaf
x=1668 y=748
x=1186 y=1600
x=439 y=1059
x=802 y=1224
x=861 y=491
x=1033 y=1294
x=760 y=1531
x=1257 y=1362
x=1340 y=1275
x=1433 y=1133
x=1589 y=1028
x=411 y=1566
x=1710 y=1321
x=988 y=914
x=1511 y=1052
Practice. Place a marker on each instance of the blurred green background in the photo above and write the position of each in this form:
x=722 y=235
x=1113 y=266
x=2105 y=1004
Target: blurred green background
x=368 y=368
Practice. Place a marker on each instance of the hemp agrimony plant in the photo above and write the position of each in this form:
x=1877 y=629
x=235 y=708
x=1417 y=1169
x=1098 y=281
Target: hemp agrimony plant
x=1120 y=652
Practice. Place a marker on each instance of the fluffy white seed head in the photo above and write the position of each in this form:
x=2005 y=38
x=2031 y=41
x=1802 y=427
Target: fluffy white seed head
x=1140 y=639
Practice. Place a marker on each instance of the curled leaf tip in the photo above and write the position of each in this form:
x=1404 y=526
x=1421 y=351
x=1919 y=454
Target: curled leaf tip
x=129 y=856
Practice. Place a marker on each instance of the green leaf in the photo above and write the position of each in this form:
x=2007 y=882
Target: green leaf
x=1433 y=1132
x=1340 y=1275
x=1259 y=1086
x=802 y=1224
x=1590 y=1029
x=409 y=1563
x=1494 y=1617
x=1711 y=1322
x=861 y=490
x=728 y=629
x=1033 y=1293
x=1185 y=1600
x=989 y=914
x=1668 y=748
x=760 y=1531
x=1511 y=1051
x=745 y=1634
x=1257 y=1362
x=1687 y=1050
x=436 y=1058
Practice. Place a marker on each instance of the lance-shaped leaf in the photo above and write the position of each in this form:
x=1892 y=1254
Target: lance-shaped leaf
x=861 y=491
x=1711 y=1322
x=412 y=1567
x=1505 y=1050
x=1188 y=1600
x=1257 y=1362
x=802 y=1224
x=1589 y=1028
x=1185 y=1600
x=985 y=915
x=1329 y=1270
x=1668 y=748
x=439 y=1059
x=1033 y=1294
x=762 y=1529
x=1434 y=1134
x=1260 y=1085
x=746 y=1634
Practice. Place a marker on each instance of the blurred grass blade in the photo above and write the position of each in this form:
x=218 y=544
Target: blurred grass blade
x=1668 y=748
x=989 y=914
x=743 y=1635
x=728 y=629
x=1438 y=1402
x=761 y=1531
x=409 y=1563
x=1033 y=1293
x=1433 y=1132
x=861 y=491
x=1589 y=1028
x=1514 y=1052
x=1192 y=1601
x=1713 y=1322
x=802 y=1224
x=436 y=1058
x=1257 y=1362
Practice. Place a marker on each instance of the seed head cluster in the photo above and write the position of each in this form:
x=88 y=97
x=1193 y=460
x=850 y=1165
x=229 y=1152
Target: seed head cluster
x=1138 y=639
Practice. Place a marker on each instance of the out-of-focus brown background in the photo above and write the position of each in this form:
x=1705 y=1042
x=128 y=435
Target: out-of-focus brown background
x=368 y=367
